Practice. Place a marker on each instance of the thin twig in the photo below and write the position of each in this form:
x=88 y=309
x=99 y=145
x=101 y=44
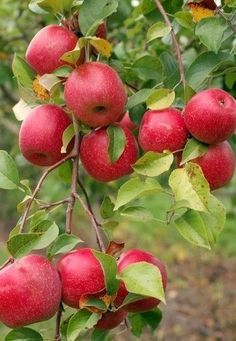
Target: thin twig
x=228 y=21
x=58 y=325
x=93 y=221
x=131 y=86
x=53 y=204
x=10 y=260
x=175 y=41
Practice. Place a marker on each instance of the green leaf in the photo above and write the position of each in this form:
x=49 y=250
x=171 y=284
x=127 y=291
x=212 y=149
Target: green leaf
x=148 y=67
x=210 y=31
x=158 y=30
x=153 y=164
x=99 y=335
x=190 y=187
x=64 y=243
x=137 y=213
x=152 y=318
x=230 y=3
x=37 y=218
x=93 y=13
x=143 y=279
x=117 y=142
x=23 y=334
x=23 y=72
x=160 y=99
x=109 y=267
x=135 y=188
x=139 y=321
x=80 y=322
x=139 y=97
x=50 y=82
x=49 y=232
x=67 y=137
x=65 y=172
x=137 y=324
x=192 y=150
x=9 y=176
x=72 y=56
x=102 y=46
x=52 y=6
x=107 y=207
x=185 y=19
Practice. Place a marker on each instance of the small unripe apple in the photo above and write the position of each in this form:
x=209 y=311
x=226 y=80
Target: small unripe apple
x=41 y=132
x=95 y=93
x=218 y=164
x=48 y=46
x=126 y=122
x=136 y=256
x=81 y=274
x=95 y=158
x=111 y=320
x=210 y=116
x=162 y=130
x=30 y=291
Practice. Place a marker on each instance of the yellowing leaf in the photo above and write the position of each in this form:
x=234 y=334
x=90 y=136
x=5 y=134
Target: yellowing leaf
x=102 y=46
x=160 y=99
x=199 y=12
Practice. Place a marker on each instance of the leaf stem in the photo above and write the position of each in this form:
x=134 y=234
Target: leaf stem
x=10 y=260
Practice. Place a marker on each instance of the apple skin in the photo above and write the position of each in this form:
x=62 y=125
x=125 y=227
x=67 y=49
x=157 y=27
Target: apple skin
x=47 y=47
x=162 y=130
x=218 y=164
x=111 y=320
x=102 y=31
x=126 y=122
x=210 y=116
x=136 y=256
x=95 y=93
x=41 y=132
x=81 y=274
x=30 y=291
x=95 y=158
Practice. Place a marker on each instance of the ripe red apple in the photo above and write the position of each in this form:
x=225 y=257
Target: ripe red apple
x=111 y=320
x=102 y=31
x=217 y=164
x=47 y=47
x=30 y=291
x=95 y=93
x=131 y=257
x=126 y=122
x=81 y=274
x=210 y=116
x=162 y=130
x=40 y=137
x=95 y=158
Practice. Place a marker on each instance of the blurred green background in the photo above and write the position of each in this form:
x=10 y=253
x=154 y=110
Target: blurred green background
x=201 y=293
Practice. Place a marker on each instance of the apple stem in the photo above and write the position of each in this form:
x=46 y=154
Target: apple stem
x=174 y=40
x=10 y=260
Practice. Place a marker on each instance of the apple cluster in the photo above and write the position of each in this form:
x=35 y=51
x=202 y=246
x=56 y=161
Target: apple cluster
x=32 y=288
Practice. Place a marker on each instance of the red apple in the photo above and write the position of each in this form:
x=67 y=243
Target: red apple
x=30 y=291
x=81 y=274
x=95 y=93
x=111 y=320
x=210 y=116
x=217 y=164
x=102 y=31
x=162 y=130
x=47 y=47
x=131 y=257
x=95 y=158
x=126 y=122
x=40 y=137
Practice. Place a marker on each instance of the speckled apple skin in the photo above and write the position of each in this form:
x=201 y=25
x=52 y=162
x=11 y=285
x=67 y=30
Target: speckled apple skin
x=111 y=320
x=30 y=291
x=81 y=274
x=95 y=158
x=131 y=257
x=47 y=47
x=40 y=137
x=218 y=164
x=95 y=93
x=210 y=116
x=162 y=130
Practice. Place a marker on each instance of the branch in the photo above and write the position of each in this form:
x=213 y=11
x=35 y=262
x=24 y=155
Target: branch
x=58 y=325
x=10 y=260
x=229 y=22
x=53 y=204
x=174 y=40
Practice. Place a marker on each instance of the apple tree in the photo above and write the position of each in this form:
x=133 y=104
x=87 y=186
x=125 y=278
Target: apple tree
x=137 y=97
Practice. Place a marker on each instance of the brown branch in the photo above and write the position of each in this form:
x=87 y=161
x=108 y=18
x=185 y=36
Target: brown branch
x=174 y=40
x=58 y=325
x=10 y=260
x=53 y=204
x=228 y=21
x=93 y=221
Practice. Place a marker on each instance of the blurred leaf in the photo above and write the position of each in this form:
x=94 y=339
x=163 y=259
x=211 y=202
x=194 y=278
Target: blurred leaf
x=193 y=149
x=139 y=321
x=139 y=97
x=67 y=137
x=23 y=334
x=160 y=99
x=152 y=318
x=138 y=213
x=64 y=243
x=99 y=335
x=23 y=72
x=153 y=164
x=9 y=176
x=117 y=142
x=102 y=46
x=80 y=322
x=137 y=324
x=106 y=209
x=158 y=30
x=52 y=6
x=148 y=67
x=185 y=19
x=21 y=110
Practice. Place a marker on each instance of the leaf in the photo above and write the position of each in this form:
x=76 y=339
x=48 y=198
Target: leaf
x=192 y=150
x=50 y=82
x=135 y=188
x=52 y=6
x=23 y=72
x=21 y=110
x=153 y=164
x=102 y=46
x=72 y=56
x=152 y=318
x=23 y=334
x=139 y=97
x=99 y=335
x=160 y=99
x=158 y=30
x=148 y=67
x=64 y=243
x=109 y=267
x=143 y=279
x=137 y=324
x=184 y=18
x=37 y=218
x=9 y=176
x=93 y=13
x=114 y=248
x=208 y=28
x=106 y=209
x=137 y=213
x=139 y=321
x=95 y=304
x=80 y=322
x=117 y=142
x=67 y=137
x=190 y=187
